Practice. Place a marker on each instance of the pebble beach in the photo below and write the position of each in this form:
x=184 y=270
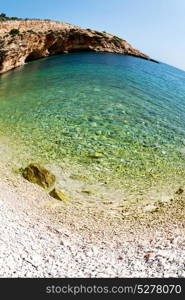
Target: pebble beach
x=39 y=242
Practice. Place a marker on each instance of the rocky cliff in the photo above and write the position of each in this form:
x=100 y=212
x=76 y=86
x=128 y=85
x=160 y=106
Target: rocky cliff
x=26 y=40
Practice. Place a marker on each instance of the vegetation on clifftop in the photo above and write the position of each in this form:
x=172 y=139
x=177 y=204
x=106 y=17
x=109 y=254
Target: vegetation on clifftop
x=4 y=17
x=14 y=31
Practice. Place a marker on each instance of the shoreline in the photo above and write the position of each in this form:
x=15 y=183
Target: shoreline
x=86 y=190
x=93 y=195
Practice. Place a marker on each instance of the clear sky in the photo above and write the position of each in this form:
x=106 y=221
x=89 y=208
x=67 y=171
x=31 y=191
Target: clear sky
x=156 y=27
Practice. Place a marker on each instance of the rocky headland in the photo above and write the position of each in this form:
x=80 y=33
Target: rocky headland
x=22 y=41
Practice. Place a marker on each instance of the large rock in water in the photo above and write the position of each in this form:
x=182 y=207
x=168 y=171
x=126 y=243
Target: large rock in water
x=39 y=175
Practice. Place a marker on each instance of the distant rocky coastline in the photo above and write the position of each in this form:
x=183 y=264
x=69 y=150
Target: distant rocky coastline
x=26 y=40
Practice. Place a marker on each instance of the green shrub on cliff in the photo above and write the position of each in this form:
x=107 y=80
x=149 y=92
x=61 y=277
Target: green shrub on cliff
x=4 y=17
x=31 y=31
x=14 y=31
x=1 y=42
x=2 y=55
x=102 y=34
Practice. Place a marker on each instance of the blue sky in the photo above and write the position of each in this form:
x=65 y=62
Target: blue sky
x=156 y=27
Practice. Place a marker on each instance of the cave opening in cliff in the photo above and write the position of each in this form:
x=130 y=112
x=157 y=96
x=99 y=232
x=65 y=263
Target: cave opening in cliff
x=82 y=49
x=35 y=54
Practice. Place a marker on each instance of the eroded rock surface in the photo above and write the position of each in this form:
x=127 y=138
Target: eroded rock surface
x=36 y=39
x=39 y=175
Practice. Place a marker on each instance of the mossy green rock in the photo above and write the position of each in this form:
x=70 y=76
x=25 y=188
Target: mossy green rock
x=39 y=175
x=57 y=194
x=96 y=155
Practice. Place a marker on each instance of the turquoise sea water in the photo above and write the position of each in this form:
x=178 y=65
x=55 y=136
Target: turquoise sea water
x=117 y=116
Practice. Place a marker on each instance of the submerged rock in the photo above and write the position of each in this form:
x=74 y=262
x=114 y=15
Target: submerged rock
x=39 y=175
x=96 y=155
x=57 y=194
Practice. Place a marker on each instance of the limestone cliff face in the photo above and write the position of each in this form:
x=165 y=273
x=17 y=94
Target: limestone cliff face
x=35 y=39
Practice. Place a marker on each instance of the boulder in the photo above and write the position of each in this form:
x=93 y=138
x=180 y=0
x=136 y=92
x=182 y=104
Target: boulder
x=39 y=175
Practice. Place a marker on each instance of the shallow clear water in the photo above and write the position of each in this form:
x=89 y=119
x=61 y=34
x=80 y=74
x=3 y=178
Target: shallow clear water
x=71 y=107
